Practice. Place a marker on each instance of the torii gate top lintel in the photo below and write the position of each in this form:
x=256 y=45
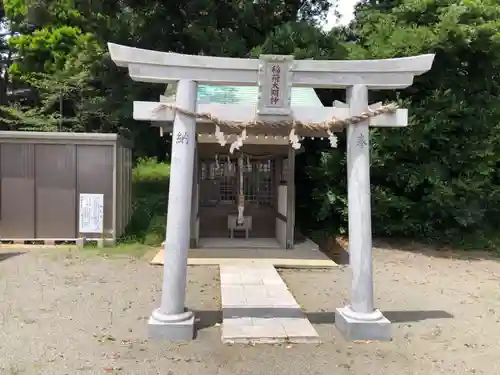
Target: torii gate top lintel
x=274 y=75
x=167 y=67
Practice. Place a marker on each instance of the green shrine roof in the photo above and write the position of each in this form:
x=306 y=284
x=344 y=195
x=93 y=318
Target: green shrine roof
x=247 y=95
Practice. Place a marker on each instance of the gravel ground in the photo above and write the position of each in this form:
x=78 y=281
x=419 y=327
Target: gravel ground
x=71 y=312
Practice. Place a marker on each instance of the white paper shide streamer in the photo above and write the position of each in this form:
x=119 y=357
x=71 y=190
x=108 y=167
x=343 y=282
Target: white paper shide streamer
x=294 y=139
x=220 y=136
x=238 y=143
x=332 y=138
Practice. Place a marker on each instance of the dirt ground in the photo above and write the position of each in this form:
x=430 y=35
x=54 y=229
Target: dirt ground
x=71 y=312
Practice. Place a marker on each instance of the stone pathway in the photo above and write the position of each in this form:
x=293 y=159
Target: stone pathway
x=258 y=308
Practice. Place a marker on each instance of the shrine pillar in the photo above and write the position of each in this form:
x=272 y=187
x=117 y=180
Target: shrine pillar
x=290 y=200
x=195 y=201
x=172 y=321
x=359 y=320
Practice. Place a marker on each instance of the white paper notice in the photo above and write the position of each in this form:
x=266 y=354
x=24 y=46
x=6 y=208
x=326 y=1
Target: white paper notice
x=91 y=213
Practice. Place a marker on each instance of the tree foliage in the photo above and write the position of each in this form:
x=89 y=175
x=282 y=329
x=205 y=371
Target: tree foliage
x=64 y=42
x=437 y=179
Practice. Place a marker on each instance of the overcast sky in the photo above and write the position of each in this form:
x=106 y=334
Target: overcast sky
x=346 y=9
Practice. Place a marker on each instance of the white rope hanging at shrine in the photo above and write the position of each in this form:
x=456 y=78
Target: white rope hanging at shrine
x=241 y=193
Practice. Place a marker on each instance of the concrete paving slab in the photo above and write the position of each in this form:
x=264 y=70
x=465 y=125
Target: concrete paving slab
x=235 y=252
x=260 y=308
x=233 y=295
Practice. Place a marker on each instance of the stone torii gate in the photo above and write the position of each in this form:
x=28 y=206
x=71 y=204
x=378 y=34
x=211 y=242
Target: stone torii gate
x=274 y=75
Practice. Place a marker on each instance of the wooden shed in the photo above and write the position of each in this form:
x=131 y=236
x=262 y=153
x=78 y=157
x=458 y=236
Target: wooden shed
x=42 y=177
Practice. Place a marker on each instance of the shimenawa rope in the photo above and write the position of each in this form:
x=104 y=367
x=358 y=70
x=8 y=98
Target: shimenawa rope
x=290 y=124
x=328 y=124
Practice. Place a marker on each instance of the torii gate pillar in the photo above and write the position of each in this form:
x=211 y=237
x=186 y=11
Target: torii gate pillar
x=359 y=320
x=172 y=321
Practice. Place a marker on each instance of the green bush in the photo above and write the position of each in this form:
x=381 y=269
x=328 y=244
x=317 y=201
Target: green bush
x=150 y=170
x=437 y=180
x=150 y=180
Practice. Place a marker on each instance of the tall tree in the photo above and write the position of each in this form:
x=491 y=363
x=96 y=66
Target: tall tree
x=55 y=35
x=438 y=179
x=5 y=56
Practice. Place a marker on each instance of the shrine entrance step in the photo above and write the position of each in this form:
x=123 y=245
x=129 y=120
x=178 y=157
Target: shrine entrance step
x=257 y=307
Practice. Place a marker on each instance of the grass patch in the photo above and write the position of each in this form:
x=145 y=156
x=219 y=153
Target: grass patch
x=131 y=249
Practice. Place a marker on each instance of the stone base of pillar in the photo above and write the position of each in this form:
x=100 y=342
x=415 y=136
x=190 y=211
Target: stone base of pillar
x=179 y=327
x=363 y=327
